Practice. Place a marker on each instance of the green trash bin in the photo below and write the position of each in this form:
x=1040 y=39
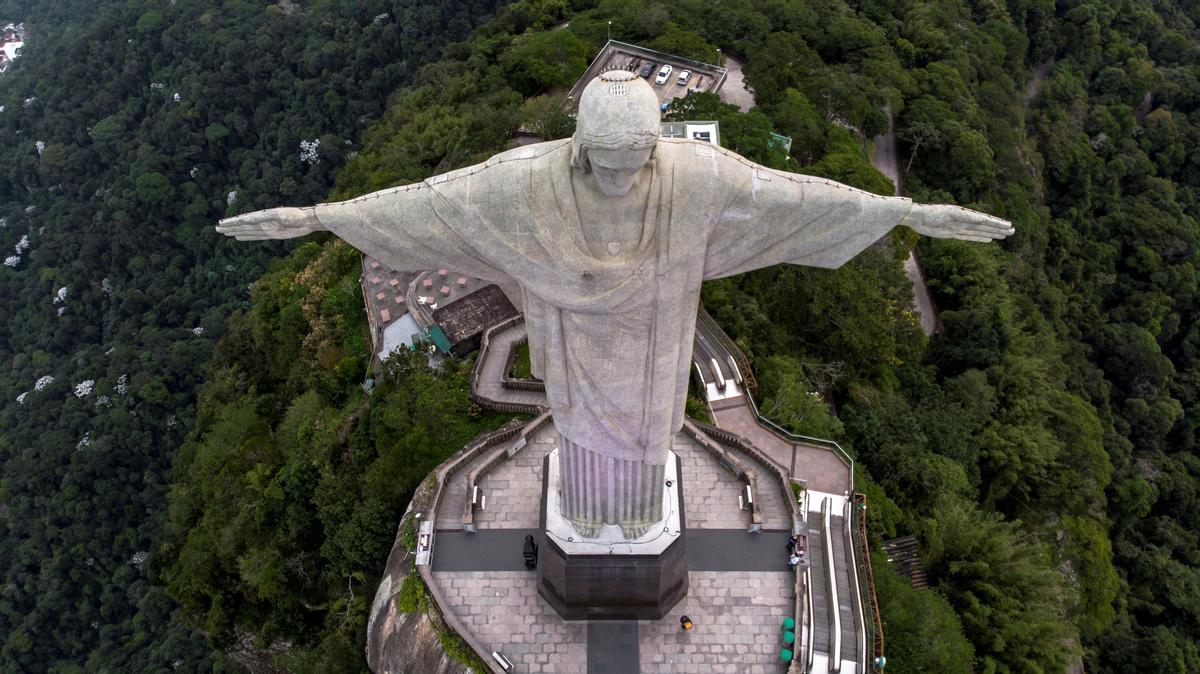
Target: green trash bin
x=789 y=637
x=785 y=655
x=789 y=624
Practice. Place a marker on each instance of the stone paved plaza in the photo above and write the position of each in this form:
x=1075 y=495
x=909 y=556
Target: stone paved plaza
x=503 y=609
x=514 y=488
x=739 y=590
x=738 y=618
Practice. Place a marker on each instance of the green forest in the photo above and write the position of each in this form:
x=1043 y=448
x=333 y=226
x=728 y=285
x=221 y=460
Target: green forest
x=193 y=479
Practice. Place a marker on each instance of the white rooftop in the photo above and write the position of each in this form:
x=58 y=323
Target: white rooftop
x=398 y=333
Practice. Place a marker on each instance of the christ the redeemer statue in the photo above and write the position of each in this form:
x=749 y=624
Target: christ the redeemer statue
x=609 y=235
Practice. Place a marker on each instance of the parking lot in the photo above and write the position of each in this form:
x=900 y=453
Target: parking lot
x=681 y=75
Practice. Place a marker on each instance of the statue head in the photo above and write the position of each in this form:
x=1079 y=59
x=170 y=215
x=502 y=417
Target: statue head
x=616 y=130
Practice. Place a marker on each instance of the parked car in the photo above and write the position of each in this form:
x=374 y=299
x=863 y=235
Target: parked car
x=684 y=77
x=647 y=69
x=663 y=75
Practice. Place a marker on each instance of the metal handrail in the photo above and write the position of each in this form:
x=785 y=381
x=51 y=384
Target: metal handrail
x=848 y=529
x=860 y=501
x=831 y=591
x=735 y=353
x=808 y=662
x=794 y=438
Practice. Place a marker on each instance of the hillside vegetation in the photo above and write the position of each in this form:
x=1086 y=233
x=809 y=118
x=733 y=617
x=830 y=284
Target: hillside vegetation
x=127 y=128
x=1043 y=448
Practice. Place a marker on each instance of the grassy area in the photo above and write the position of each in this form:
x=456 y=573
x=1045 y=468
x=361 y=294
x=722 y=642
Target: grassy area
x=521 y=368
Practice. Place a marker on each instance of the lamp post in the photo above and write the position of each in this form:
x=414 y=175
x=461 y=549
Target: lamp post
x=610 y=31
x=718 y=56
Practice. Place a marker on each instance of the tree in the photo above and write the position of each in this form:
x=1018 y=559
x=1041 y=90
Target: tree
x=540 y=61
x=1001 y=583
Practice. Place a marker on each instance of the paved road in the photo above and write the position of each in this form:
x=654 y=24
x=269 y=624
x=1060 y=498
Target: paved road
x=734 y=90
x=886 y=160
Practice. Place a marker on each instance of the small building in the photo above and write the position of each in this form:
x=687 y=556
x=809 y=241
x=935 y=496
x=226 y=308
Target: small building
x=707 y=131
x=464 y=321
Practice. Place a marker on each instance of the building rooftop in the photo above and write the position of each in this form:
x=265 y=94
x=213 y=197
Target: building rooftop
x=467 y=317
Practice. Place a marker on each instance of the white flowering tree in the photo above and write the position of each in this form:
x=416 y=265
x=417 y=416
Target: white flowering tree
x=310 y=151
x=84 y=388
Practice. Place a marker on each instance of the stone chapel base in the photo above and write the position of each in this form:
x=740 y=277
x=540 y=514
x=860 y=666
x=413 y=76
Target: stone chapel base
x=609 y=577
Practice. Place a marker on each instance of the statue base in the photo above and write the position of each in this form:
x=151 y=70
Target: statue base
x=609 y=577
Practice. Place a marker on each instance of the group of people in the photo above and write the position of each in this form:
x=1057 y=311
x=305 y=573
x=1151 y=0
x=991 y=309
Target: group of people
x=795 y=548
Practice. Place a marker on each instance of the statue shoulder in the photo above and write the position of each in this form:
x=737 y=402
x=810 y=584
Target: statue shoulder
x=692 y=151
x=528 y=152
x=514 y=159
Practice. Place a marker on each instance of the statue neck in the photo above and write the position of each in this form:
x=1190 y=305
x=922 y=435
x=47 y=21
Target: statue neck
x=614 y=223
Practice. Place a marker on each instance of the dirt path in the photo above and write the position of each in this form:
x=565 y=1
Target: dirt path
x=1039 y=75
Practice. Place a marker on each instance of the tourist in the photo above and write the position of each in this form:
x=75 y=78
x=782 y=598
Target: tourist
x=530 y=553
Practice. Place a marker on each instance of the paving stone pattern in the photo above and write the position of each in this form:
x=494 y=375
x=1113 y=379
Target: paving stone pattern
x=771 y=496
x=737 y=608
x=514 y=487
x=731 y=550
x=710 y=493
x=819 y=466
x=738 y=620
x=503 y=610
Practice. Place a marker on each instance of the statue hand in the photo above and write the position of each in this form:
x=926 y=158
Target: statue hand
x=955 y=222
x=273 y=223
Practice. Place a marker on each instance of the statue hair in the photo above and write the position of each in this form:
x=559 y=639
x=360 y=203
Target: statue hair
x=617 y=111
x=621 y=140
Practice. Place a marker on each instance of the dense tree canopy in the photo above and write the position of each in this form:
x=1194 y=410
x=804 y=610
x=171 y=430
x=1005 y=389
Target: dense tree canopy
x=127 y=128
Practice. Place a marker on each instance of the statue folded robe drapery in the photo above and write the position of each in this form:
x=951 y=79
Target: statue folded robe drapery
x=610 y=284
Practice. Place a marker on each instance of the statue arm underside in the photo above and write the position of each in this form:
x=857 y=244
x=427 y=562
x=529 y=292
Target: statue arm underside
x=407 y=228
x=769 y=217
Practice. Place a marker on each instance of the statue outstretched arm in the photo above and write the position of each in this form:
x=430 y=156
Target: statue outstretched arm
x=955 y=222
x=273 y=223
x=408 y=228
x=770 y=217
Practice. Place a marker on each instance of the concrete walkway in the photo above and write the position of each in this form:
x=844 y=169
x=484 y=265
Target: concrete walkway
x=612 y=647
x=491 y=370
x=819 y=467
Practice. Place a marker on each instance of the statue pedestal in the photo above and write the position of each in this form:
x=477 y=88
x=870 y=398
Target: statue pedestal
x=609 y=577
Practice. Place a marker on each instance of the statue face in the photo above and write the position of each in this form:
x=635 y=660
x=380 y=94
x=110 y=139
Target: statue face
x=616 y=170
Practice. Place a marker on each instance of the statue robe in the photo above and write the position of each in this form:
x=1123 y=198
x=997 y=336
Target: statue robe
x=611 y=335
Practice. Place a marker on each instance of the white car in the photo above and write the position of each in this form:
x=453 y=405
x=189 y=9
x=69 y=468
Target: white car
x=663 y=75
x=684 y=77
